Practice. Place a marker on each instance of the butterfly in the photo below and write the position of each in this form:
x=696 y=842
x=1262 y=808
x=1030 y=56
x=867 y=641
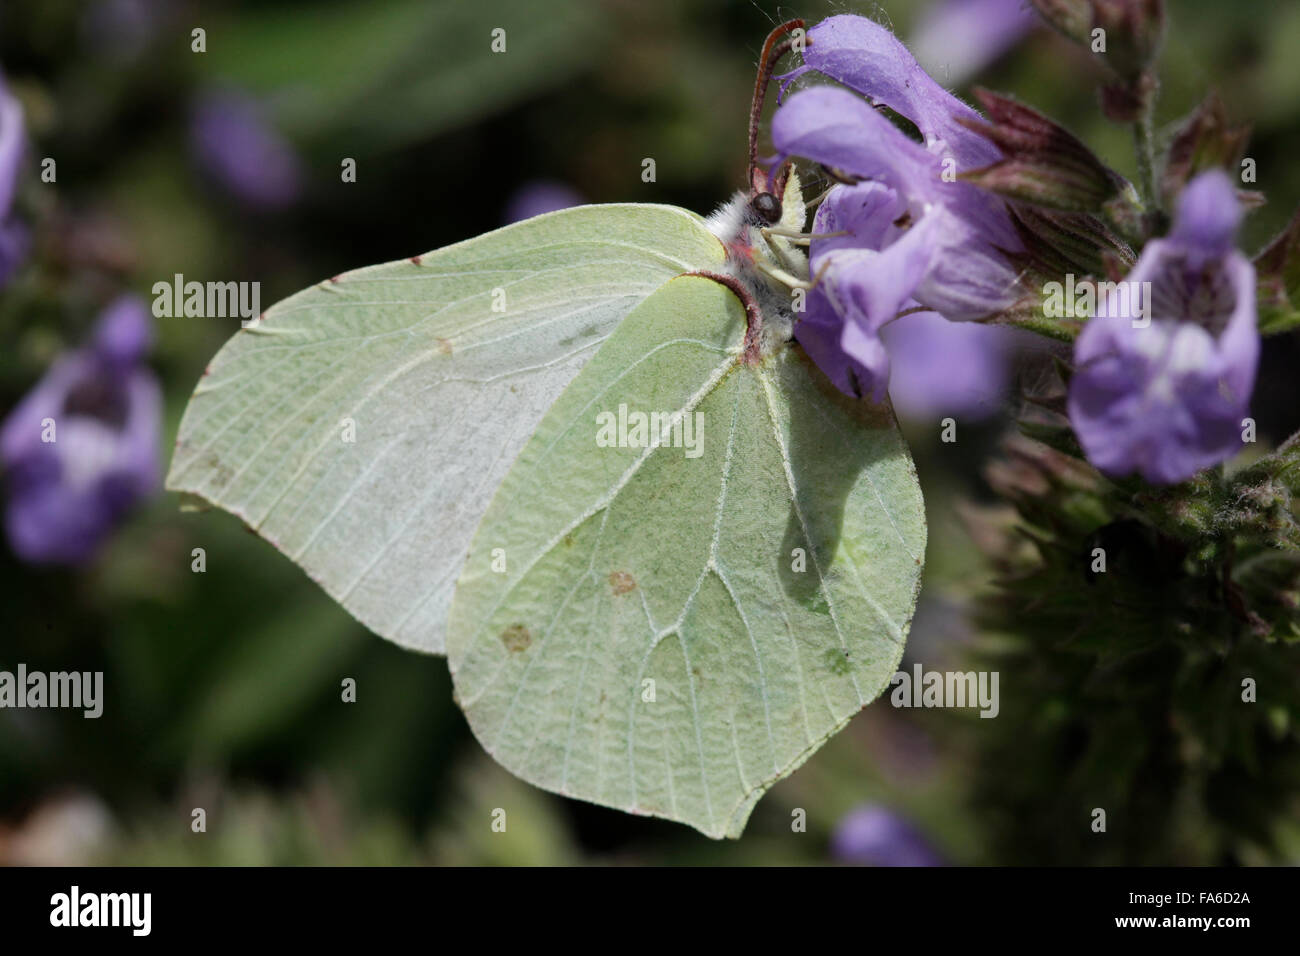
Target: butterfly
x=626 y=623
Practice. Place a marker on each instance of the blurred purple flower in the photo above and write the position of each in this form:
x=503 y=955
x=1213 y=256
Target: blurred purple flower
x=13 y=147
x=538 y=197
x=912 y=233
x=1164 y=372
x=15 y=243
x=871 y=835
x=956 y=39
x=941 y=368
x=103 y=409
x=235 y=145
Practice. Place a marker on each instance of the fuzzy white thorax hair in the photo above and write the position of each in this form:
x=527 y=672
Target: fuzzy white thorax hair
x=740 y=230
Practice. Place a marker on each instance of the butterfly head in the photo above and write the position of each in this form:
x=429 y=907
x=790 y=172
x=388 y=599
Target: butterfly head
x=765 y=208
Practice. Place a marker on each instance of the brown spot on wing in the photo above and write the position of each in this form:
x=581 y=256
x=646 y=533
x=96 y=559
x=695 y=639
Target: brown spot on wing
x=516 y=638
x=620 y=582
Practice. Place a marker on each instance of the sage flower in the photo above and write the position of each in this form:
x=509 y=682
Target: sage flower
x=908 y=233
x=1164 y=371
x=81 y=449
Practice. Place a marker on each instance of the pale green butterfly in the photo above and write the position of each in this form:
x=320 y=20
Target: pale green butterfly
x=658 y=625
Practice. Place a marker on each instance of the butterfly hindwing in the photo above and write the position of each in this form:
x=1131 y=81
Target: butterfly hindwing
x=684 y=613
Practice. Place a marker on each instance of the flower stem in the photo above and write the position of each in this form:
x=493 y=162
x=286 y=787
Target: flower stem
x=1144 y=142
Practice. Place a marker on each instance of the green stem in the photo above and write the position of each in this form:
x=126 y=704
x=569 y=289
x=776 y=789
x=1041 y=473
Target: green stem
x=1043 y=326
x=1144 y=141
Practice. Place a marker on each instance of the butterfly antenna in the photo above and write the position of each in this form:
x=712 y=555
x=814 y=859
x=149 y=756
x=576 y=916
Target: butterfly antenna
x=778 y=44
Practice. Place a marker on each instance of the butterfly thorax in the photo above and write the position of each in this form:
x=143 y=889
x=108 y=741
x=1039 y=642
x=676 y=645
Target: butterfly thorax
x=765 y=264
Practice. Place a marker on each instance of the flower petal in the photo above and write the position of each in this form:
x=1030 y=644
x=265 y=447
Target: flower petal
x=834 y=127
x=1208 y=216
x=855 y=363
x=868 y=286
x=957 y=38
x=13 y=145
x=940 y=368
x=866 y=57
x=125 y=331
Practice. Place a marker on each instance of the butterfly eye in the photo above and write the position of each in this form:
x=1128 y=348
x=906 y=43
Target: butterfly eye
x=766 y=207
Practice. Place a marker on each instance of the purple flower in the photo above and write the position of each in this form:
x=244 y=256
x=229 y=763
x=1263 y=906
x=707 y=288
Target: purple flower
x=81 y=449
x=233 y=143
x=941 y=368
x=958 y=38
x=13 y=148
x=873 y=836
x=538 y=197
x=910 y=233
x=15 y=243
x=1164 y=371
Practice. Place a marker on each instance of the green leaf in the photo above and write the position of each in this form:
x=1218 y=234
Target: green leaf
x=1206 y=140
x=439 y=391
x=631 y=564
x=1277 y=271
x=1042 y=163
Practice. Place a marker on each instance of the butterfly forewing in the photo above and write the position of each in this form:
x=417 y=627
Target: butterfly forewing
x=363 y=424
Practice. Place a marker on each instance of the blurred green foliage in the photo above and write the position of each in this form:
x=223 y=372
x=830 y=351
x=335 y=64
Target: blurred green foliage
x=223 y=688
